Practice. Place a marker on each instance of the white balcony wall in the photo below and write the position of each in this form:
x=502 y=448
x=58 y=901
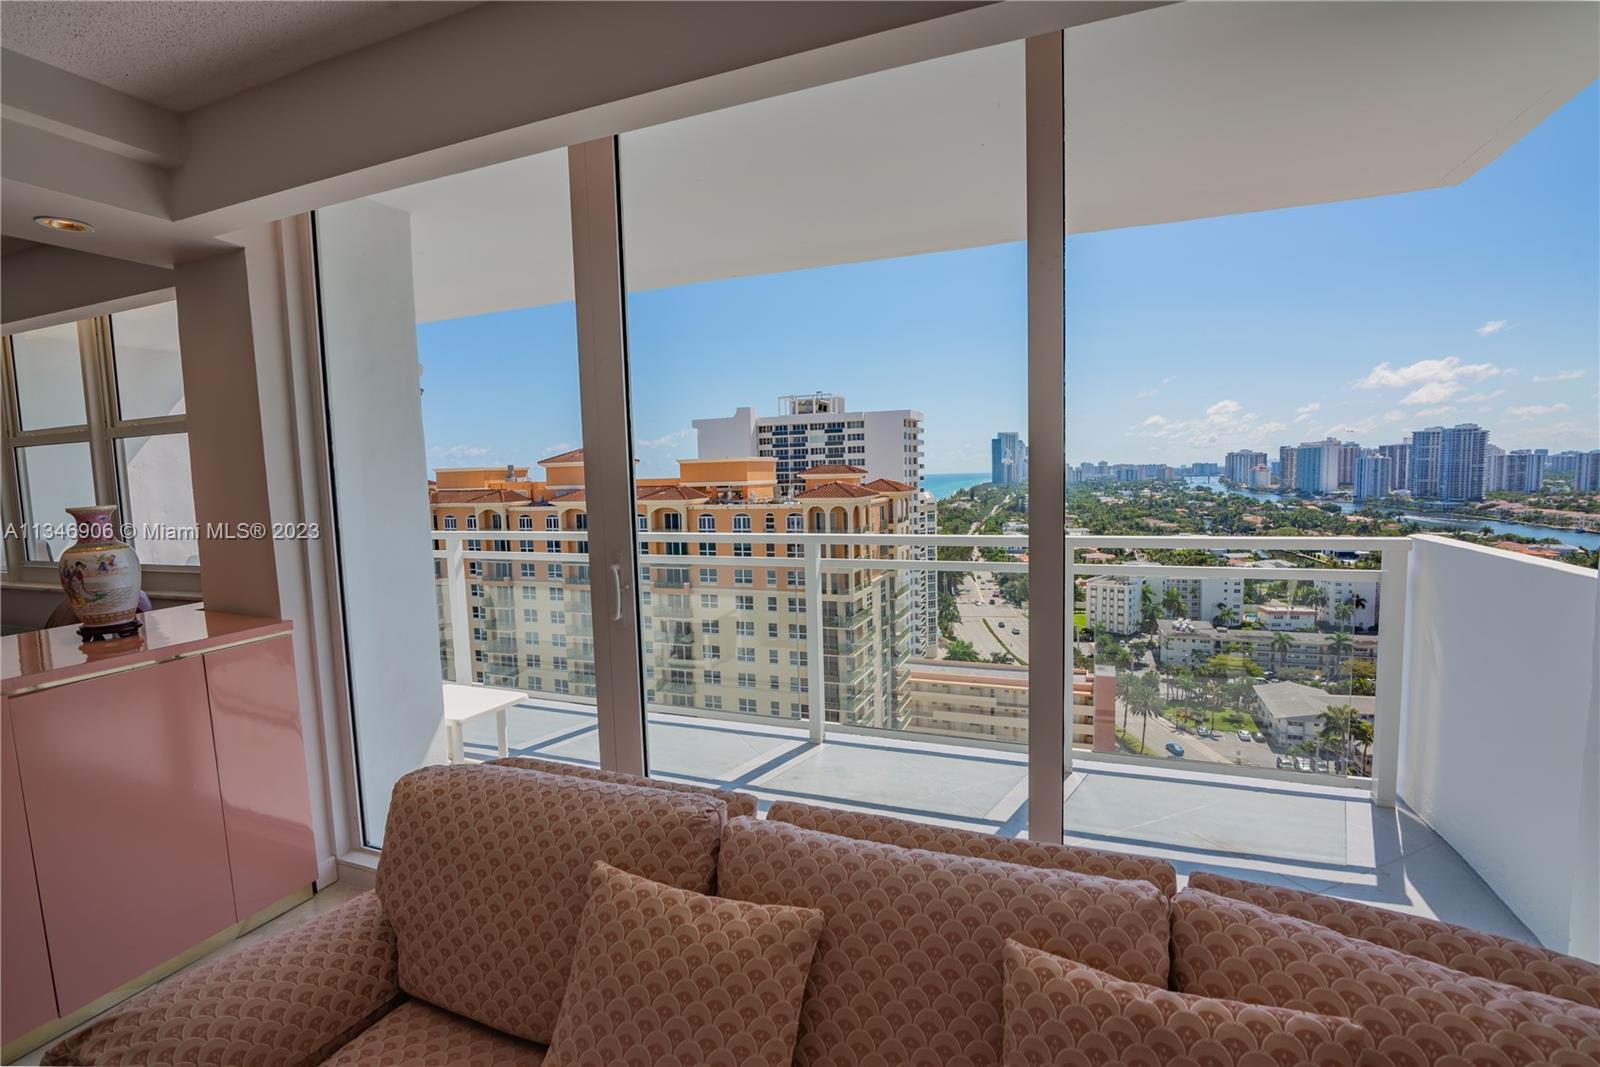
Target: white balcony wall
x=1500 y=729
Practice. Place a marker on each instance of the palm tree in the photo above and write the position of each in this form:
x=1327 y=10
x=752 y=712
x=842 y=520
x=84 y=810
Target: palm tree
x=1343 y=611
x=1281 y=644
x=1361 y=734
x=1172 y=602
x=1225 y=615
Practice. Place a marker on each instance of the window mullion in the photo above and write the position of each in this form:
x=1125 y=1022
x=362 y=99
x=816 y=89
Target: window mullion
x=95 y=355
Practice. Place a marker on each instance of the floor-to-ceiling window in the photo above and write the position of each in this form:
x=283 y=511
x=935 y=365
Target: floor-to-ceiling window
x=826 y=338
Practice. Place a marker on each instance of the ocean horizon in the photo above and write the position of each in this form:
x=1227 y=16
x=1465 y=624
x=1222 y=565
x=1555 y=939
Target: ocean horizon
x=942 y=485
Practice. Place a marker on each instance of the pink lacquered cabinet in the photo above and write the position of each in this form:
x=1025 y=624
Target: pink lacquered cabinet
x=155 y=797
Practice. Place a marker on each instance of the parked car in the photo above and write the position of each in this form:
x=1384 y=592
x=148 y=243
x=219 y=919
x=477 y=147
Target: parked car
x=1244 y=735
x=1322 y=766
x=1258 y=736
x=1285 y=763
x=1302 y=764
x=991 y=600
x=1175 y=749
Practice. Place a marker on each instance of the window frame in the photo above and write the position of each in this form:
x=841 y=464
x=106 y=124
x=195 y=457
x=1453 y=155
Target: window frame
x=103 y=430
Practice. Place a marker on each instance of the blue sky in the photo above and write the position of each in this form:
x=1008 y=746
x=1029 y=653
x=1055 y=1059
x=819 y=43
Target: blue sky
x=1363 y=320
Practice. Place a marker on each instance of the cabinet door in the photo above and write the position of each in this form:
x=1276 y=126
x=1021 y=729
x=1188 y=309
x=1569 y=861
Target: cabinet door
x=27 y=994
x=261 y=760
x=120 y=780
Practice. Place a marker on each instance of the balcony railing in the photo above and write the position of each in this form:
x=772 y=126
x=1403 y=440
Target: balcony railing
x=835 y=625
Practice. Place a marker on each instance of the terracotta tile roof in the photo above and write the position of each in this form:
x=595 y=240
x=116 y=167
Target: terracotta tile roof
x=573 y=456
x=889 y=485
x=671 y=492
x=478 y=496
x=834 y=491
x=833 y=468
x=569 y=497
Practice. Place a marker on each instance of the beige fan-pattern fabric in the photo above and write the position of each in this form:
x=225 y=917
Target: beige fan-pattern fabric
x=1471 y=951
x=286 y=1002
x=865 y=826
x=1062 y=1014
x=908 y=967
x=417 y=1034
x=485 y=873
x=738 y=803
x=1421 y=1014
x=668 y=978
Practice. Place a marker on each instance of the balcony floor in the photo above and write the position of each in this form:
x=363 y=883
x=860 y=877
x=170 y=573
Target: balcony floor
x=1324 y=839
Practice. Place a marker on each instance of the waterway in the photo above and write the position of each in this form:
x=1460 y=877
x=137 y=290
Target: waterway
x=1578 y=538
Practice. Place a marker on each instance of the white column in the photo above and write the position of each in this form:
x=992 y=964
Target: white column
x=380 y=490
x=1390 y=706
x=815 y=678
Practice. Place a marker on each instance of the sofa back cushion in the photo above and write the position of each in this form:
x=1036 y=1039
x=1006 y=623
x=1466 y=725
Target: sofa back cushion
x=864 y=826
x=1501 y=959
x=1418 y=1012
x=737 y=803
x=485 y=871
x=1063 y=1014
x=908 y=968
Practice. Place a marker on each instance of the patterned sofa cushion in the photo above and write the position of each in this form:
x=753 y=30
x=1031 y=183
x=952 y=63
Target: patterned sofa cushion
x=738 y=803
x=1063 y=1014
x=287 y=1001
x=485 y=871
x=908 y=968
x=908 y=834
x=1419 y=1013
x=1485 y=955
x=417 y=1034
x=668 y=978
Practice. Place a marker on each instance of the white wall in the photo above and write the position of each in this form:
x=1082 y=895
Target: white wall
x=381 y=495
x=1500 y=724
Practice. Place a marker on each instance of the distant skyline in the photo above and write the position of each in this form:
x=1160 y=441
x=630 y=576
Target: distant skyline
x=1362 y=320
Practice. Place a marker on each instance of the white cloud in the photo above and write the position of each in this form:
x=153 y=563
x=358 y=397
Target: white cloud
x=1224 y=423
x=1479 y=398
x=1304 y=412
x=1339 y=429
x=1559 y=376
x=1425 y=371
x=1492 y=326
x=1431 y=413
x=1534 y=411
x=670 y=440
x=1395 y=416
x=453 y=452
x=1432 y=393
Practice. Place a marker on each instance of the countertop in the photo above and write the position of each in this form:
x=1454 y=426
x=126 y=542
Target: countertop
x=46 y=658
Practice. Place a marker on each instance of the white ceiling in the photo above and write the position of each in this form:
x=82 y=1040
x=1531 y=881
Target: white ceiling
x=1182 y=112
x=183 y=55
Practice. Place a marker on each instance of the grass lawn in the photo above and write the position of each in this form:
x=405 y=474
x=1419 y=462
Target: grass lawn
x=1225 y=720
x=1080 y=620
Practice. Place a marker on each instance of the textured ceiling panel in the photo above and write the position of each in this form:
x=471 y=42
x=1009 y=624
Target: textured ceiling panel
x=183 y=55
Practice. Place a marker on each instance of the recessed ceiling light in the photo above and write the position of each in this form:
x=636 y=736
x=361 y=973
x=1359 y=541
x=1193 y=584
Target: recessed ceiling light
x=56 y=222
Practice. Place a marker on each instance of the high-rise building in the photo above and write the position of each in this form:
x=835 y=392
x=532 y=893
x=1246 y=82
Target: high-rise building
x=813 y=428
x=1237 y=467
x=1400 y=454
x=1349 y=452
x=1008 y=464
x=1586 y=472
x=1316 y=467
x=1261 y=477
x=724 y=629
x=1374 y=477
x=1522 y=471
x=1494 y=468
x=1447 y=463
x=818 y=428
x=1563 y=462
x=1286 y=471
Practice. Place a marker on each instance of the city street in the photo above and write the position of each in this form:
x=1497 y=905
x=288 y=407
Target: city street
x=976 y=610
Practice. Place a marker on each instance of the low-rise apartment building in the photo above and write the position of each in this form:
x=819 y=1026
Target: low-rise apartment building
x=1289 y=712
x=1277 y=616
x=1188 y=644
x=1114 y=603
x=989 y=702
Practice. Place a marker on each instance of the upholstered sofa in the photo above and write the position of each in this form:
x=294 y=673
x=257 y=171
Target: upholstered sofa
x=512 y=896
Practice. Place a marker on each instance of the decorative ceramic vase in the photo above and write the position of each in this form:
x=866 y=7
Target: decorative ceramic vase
x=100 y=574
